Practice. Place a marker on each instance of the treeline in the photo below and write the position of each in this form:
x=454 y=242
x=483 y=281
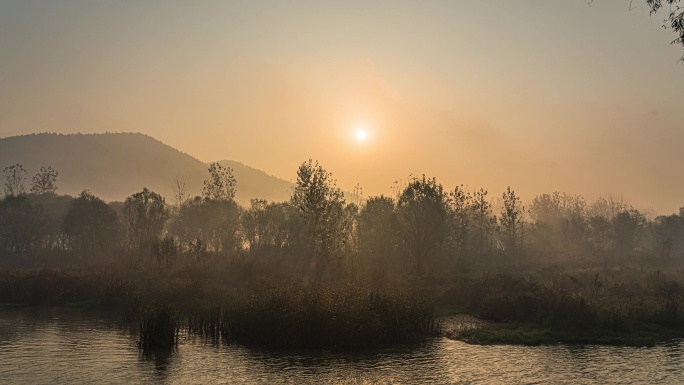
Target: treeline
x=424 y=229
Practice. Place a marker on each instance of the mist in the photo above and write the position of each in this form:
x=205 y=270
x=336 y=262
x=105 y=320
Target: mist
x=328 y=192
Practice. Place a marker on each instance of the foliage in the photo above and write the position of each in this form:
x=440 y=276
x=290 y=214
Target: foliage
x=625 y=227
x=511 y=219
x=320 y=316
x=265 y=226
x=460 y=202
x=221 y=184
x=21 y=225
x=54 y=208
x=145 y=215
x=422 y=215
x=206 y=224
x=15 y=178
x=377 y=239
x=91 y=224
x=675 y=17
x=484 y=223
x=321 y=205
x=45 y=181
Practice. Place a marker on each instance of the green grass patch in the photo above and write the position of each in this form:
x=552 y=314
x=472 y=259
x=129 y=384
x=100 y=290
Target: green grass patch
x=642 y=335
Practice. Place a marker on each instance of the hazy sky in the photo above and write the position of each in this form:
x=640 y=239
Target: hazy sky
x=540 y=95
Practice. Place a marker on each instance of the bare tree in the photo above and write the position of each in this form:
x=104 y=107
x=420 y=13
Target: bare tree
x=15 y=179
x=179 y=186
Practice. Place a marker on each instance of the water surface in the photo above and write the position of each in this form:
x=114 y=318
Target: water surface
x=64 y=346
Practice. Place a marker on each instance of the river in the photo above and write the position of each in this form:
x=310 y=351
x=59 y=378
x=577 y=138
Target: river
x=67 y=346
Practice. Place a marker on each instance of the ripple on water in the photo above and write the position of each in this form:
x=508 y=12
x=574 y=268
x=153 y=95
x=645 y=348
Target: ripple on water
x=47 y=346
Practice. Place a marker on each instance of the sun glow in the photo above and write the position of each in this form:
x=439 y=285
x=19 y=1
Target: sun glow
x=361 y=132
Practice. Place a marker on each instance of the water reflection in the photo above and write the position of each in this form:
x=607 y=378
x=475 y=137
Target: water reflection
x=65 y=346
x=157 y=361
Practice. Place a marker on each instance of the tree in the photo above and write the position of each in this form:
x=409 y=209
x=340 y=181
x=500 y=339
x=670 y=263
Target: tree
x=222 y=213
x=422 y=213
x=511 y=219
x=377 y=238
x=625 y=229
x=321 y=205
x=15 y=178
x=45 y=181
x=55 y=208
x=599 y=233
x=224 y=225
x=221 y=184
x=179 y=186
x=209 y=225
x=675 y=17
x=264 y=225
x=21 y=224
x=483 y=221
x=669 y=233
x=91 y=224
x=460 y=225
x=562 y=216
x=145 y=215
x=191 y=226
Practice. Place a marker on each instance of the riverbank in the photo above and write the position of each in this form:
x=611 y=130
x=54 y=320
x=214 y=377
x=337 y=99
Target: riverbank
x=276 y=314
x=65 y=346
x=476 y=331
x=578 y=309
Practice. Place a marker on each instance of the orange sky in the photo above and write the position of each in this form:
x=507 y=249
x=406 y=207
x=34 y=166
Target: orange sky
x=539 y=95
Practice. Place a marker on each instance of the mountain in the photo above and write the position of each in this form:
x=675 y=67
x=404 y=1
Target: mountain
x=116 y=165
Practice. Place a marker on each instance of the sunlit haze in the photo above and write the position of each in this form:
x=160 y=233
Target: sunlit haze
x=539 y=95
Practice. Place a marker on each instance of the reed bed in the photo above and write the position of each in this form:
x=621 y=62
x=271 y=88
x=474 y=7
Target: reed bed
x=317 y=316
x=159 y=326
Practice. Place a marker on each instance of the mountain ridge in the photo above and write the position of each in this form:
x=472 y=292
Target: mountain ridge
x=116 y=165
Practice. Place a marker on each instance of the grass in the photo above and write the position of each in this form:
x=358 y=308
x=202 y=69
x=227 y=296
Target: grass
x=635 y=308
x=317 y=316
x=645 y=335
x=298 y=315
x=158 y=326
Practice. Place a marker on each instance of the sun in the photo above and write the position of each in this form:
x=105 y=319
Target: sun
x=360 y=132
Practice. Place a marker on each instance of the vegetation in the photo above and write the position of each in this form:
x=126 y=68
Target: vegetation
x=318 y=316
x=627 y=307
x=674 y=19
x=317 y=271
x=159 y=326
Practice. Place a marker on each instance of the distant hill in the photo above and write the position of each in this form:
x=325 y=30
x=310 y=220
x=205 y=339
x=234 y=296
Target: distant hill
x=114 y=166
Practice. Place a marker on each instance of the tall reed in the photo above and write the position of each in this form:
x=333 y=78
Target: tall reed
x=159 y=326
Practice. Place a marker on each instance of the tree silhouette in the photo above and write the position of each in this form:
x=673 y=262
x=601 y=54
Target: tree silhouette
x=21 y=224
x=221 y=184
x=675 y=17
x=90 y=224
x=45 y=181
x=511 y=219
x=145 y=214
x=422 y=212
x=15 y=177
x=321 y=204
